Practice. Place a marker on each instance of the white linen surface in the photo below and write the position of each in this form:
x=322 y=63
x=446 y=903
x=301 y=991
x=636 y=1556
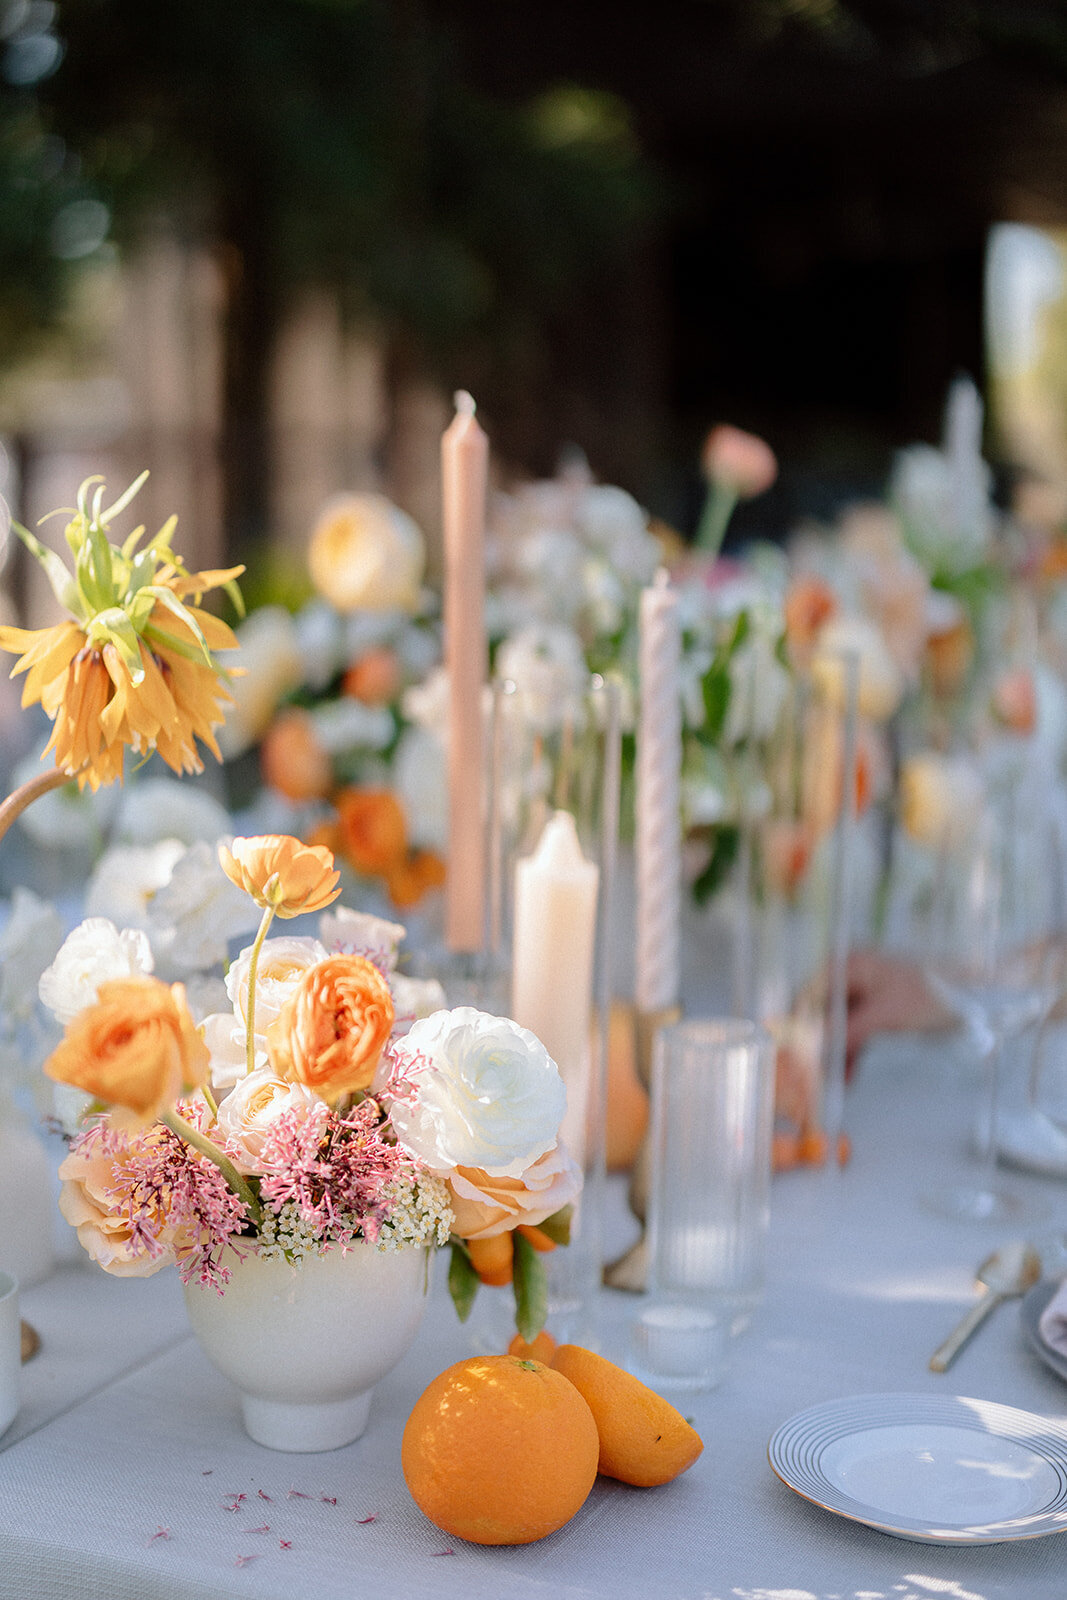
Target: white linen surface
x=863 y=1285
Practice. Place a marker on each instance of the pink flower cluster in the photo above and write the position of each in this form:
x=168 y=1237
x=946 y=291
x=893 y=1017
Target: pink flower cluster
x=171 y=1198
x=333 y=1169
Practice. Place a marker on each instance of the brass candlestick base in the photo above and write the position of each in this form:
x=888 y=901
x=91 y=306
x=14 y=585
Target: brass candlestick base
x=630 y=1271
x=31 y=1341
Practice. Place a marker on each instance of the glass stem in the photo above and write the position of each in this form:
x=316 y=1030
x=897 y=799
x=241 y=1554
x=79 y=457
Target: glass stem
x=987 y=1143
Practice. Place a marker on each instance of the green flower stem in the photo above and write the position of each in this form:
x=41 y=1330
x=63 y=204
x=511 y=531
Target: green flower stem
x=250 y=1009
x=718 y=509
x=199 y=1141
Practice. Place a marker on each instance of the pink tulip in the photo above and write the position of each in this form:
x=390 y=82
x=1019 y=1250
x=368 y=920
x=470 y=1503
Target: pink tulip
x=739 y=460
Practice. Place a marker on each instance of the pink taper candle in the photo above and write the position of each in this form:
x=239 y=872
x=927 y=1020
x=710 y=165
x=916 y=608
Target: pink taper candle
x=658 y=831
x=464 y=471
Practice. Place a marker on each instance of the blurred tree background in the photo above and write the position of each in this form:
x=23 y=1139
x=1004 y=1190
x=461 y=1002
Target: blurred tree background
x=615 y=228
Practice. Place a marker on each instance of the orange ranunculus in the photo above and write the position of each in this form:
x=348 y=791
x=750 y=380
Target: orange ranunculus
x=281 y=872
x=374 y=678
x=292 y=759
x=809 y=603
x=407 y=883
x=948 y=658
x=483 y=1205
x=137 y=1049
x=374 y=833
x=332 y=1030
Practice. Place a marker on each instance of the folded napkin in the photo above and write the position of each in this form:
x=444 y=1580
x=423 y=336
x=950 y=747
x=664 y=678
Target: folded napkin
x=1053 y=1323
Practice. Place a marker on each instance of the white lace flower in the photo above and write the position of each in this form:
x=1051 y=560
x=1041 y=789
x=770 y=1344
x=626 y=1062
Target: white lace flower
x=95 y=953
x=487 y=1093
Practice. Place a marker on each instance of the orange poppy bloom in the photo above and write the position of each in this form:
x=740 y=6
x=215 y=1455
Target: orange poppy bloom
x=281 y=873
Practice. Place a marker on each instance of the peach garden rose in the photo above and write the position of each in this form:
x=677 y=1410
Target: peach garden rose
x=483 y=1205
x=137 y=1048
x=332 y=1030
x=104 y=1230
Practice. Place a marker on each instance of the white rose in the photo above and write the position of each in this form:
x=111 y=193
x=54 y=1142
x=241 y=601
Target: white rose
x=426 y=704
x=367 y=555
x=940 y=799
x=67 y=818
x=269 y=657
x=320 y=639
x=420 y=780
x=414 y=999
x=282 y=963
x=546 y=663
x=759 y=688
x=881 y=685
x=227 y=1045
x=95 y=953
x=127 y=878
x=487 y=1093
x=347 y=724
x=195 y=915
x=246 y=1114
x=163 y=808
x=32 y=934
x=359 y=933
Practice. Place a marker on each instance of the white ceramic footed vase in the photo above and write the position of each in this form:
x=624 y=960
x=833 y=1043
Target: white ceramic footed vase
x=305 y=1345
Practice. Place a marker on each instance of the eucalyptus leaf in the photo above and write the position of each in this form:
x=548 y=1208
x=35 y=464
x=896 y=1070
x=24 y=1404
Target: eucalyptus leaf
x=530 y=1282
x=463 y=1281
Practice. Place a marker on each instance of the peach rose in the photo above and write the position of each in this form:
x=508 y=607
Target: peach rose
x=103 y=1231
x=809 y=603
x=375 y=678
x=333 y=1028
x=483 y=1205
x=293 y=761
x=742 y=461
x=367 y=555
x=1015 y=700
x=374 y=833
x=137 y=1049
x=281 y=872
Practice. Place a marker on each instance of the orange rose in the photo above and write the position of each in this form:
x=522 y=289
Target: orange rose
x=138 y=1048
x=374 y=833
x=104 y=1231
x=374 y=678
x=949 y=655
x=292 y=759
x=408 y=882
x=809 y=603
x=483 y=1206
x=280 y=872
x=333 y=1028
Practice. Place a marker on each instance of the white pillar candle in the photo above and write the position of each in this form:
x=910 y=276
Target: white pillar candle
x=659 y=824
x=552 y=960
x=464 y=471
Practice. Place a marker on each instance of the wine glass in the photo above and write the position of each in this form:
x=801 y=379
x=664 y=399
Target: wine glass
x=994 y=955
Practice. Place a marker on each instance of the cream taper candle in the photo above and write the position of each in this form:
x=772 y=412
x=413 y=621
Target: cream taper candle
x=464 y=473
x=659 y=827
x=552 y=960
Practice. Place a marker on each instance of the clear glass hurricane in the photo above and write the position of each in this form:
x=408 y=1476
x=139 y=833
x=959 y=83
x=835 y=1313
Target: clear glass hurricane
x=993 y=954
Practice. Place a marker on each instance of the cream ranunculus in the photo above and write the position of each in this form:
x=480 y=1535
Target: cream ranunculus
x=95 y=953
x=252 y=1105
x=940 y=799
x=486 y=1094
x=881 y=684
x=227 y=1045
x=282 y=963
x=367 y=555
x=483 y=1205
x=358 y=933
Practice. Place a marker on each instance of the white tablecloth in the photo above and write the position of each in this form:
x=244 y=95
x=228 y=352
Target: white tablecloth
x=127 y=1431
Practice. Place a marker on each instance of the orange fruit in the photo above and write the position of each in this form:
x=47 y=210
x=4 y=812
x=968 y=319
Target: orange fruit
x=493 y=1259
x=643 y=1439
x=542 y=1347
x=627 y=1111
x=500 y=1451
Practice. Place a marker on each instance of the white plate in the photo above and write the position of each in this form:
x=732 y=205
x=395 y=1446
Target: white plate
x=1030 y=1312
x=935 y=1468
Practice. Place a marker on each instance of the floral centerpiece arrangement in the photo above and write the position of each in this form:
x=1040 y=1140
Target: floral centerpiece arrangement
x=325 y=1107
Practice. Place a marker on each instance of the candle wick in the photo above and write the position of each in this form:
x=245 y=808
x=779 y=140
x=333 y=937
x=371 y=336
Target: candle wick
x=464 y=403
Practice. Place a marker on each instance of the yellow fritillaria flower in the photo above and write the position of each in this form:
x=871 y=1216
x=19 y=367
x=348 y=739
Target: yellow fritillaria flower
x=134 y=665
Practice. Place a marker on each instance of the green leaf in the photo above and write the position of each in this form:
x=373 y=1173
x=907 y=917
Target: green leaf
x=59 y=577
x=530 y=1282
x=124 y=499
x=558 y=1225
x=716 y=691
x=463 y=1281
x=114 y=627
x=101 y=565
x=169 y=599
x=726 y=841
